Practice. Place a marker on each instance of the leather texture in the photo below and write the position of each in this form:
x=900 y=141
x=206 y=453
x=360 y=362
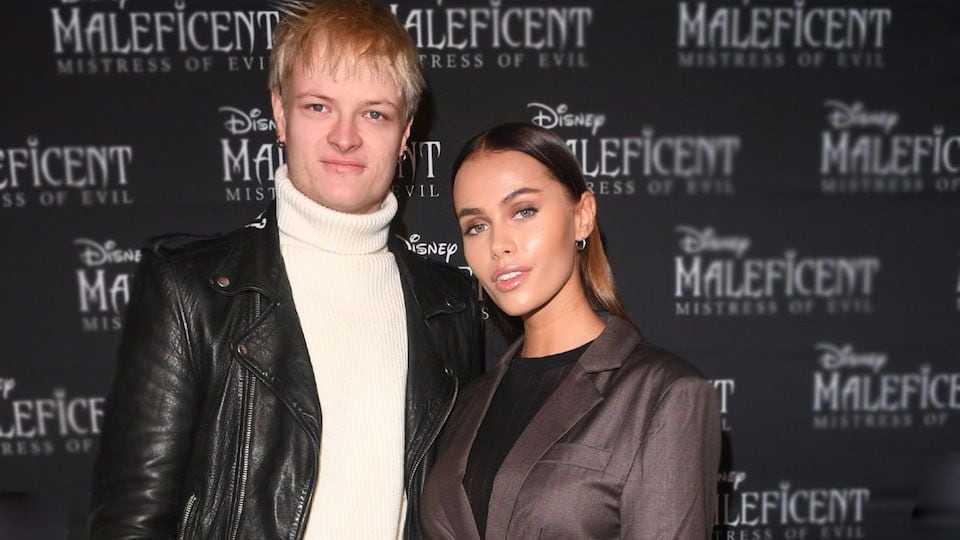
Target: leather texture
x=213 y=422
x=627 y=446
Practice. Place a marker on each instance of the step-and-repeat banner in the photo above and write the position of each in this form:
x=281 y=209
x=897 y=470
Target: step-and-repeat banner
x=778 y=184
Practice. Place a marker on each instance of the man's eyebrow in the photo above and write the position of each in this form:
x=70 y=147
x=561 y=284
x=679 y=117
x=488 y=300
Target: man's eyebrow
x=309 y=94
x=510 y=196
x=368 y=103
x=377 y=102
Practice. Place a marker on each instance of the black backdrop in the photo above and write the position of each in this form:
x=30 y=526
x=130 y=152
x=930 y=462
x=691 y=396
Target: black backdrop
x=777 y=181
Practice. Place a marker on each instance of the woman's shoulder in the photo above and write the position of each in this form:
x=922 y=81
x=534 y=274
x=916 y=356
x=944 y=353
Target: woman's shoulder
x=651 y=372
x=621 y=345
x=660 y=362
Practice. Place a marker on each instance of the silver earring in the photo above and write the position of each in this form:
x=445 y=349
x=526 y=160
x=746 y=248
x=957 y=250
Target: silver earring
x=581 y=244
x=281 y=144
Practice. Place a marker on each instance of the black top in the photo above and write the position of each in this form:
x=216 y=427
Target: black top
x=525 y=386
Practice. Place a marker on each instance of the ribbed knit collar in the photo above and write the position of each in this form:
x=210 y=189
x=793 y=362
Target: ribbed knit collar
x=310 y=222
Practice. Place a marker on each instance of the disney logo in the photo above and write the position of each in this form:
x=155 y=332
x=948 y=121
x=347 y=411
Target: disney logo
x=439 y=249
x=833 y=357
x=549 y=118
x=96 y=254
x=122 y=4
x=239 y=122
x=845 y=116
x=696 y=241
x=732 y=477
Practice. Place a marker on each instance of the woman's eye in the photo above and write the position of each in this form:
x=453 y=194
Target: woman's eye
x=526 y=213
x=475 y=229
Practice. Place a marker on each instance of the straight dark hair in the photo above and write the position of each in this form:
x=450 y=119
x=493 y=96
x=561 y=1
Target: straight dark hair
x=549 y=149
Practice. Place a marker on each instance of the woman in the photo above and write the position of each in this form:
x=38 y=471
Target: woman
x=583 y=430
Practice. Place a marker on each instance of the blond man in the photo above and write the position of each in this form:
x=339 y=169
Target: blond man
x=289 y=379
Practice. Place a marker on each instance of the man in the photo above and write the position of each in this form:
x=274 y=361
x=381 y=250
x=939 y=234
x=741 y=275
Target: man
x=288 y=380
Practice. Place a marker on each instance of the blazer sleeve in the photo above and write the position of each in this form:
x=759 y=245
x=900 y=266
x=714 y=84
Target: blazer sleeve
x=150 y=415
x=671 y=489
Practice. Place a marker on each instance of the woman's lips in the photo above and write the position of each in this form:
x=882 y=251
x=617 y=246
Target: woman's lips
x=509 y=279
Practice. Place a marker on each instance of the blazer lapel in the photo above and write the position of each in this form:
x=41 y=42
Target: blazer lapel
x=461 y=441
x=575 y=396
x=579 y=392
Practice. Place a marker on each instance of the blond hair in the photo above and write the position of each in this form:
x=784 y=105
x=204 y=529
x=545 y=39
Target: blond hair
x=349 y=35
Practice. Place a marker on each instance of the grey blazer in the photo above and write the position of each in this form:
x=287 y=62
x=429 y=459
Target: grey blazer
x=628 y=446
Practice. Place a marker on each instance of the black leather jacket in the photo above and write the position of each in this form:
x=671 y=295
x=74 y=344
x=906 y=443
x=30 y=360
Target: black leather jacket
x=213 y=423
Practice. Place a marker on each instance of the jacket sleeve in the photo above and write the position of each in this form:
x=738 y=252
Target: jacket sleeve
x=671 y=489
x=150 y=414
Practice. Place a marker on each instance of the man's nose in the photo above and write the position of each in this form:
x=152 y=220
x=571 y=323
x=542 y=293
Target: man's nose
x=344 y=135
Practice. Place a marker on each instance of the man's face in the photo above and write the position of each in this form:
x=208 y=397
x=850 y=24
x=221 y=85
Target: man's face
x=343 y=136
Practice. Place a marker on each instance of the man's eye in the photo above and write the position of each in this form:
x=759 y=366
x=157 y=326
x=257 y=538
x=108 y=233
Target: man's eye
x=318 y=107
x=376 y=115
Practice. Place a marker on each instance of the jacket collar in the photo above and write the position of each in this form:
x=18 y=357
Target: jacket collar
x=612 y=347
x=254 y=262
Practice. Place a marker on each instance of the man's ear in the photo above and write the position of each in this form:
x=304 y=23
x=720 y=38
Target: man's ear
x=585 y=214
x=404 y=137
x=278 y=116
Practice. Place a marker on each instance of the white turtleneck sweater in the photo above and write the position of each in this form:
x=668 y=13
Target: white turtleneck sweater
x=346 y=288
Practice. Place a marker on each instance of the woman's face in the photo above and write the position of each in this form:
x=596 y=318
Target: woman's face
x=519 y=230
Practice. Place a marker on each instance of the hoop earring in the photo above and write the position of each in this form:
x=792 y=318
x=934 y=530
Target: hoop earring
x=581 y=244
x=281 y=144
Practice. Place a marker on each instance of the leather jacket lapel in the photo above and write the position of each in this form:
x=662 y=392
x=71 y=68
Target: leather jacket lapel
x=431 y=382
x=271 y=343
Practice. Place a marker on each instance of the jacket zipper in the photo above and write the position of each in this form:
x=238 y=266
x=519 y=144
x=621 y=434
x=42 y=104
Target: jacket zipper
x=248 y=389
x=187 y=510
x=244 y=456
x=433 y=437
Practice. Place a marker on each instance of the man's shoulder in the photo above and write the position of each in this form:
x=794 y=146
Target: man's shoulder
x=189 y=248
x=203 y=252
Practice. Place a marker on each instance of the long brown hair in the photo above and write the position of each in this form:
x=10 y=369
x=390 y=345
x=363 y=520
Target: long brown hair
x=549 y=149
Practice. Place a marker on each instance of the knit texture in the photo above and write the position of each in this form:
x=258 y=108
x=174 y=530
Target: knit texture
x=346 y=288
